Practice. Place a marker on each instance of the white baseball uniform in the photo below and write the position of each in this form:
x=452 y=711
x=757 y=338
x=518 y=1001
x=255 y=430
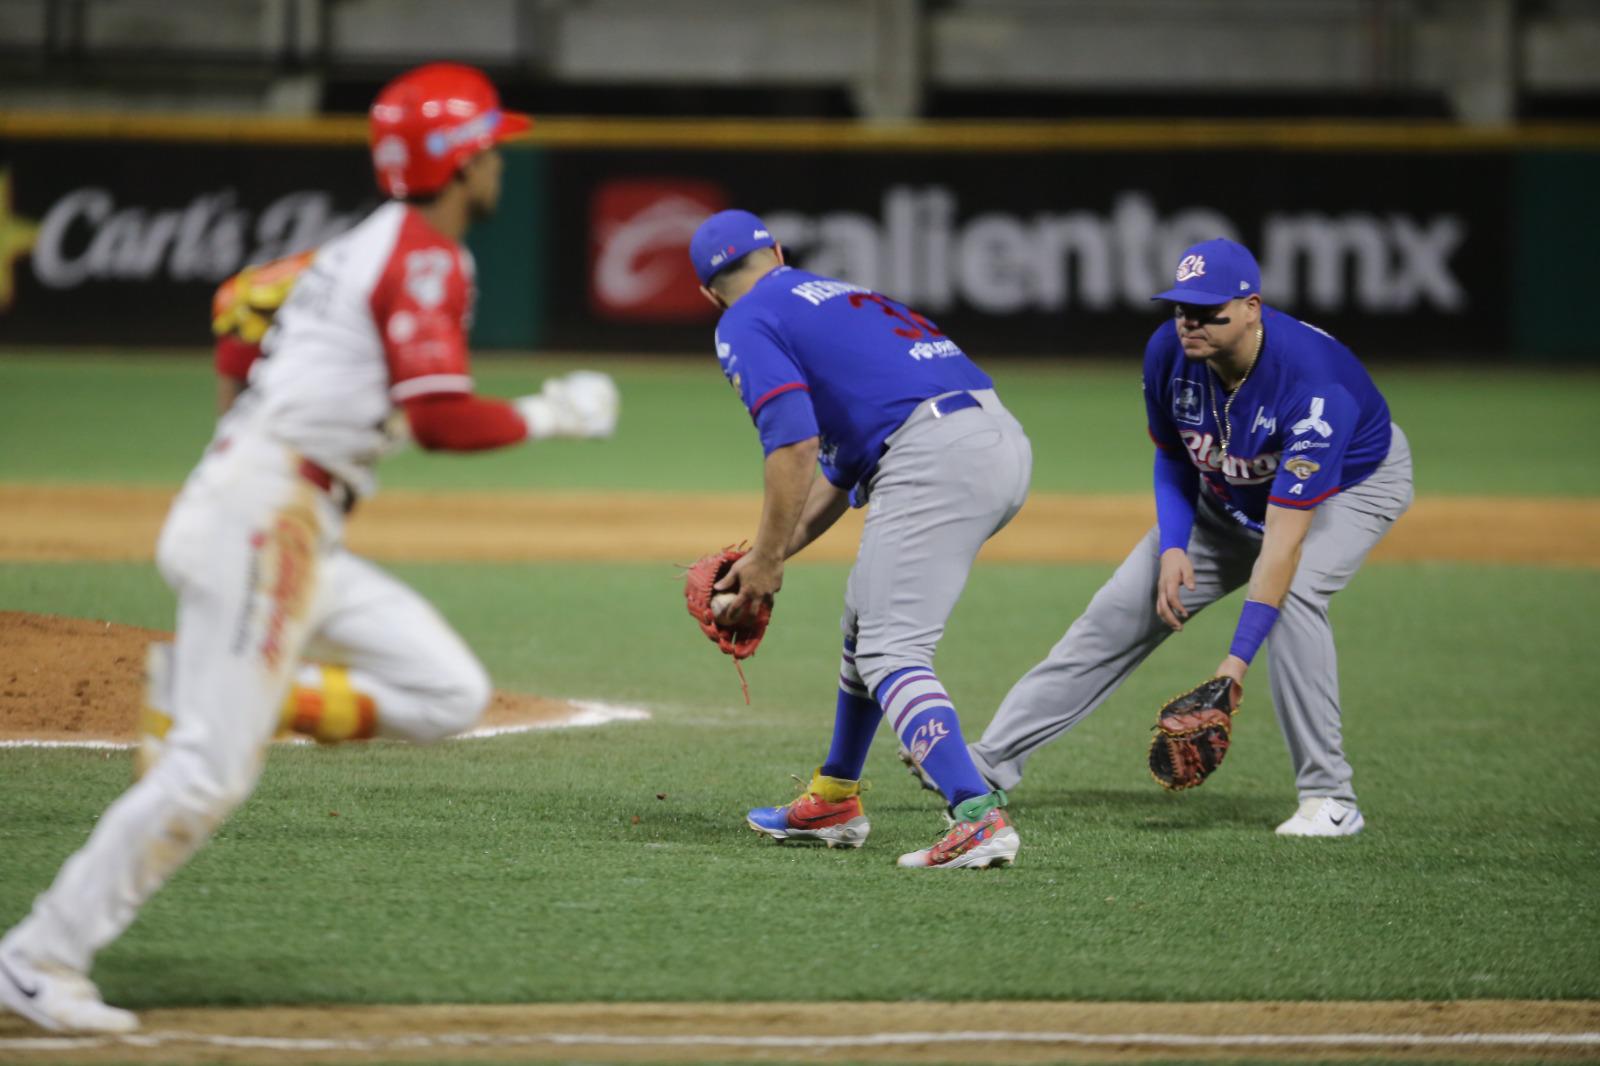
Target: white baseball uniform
x=253 y=549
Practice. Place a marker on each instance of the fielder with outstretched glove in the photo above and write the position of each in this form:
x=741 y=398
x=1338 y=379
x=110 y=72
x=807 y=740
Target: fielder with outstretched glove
x=1192 y=732
x=739 y=632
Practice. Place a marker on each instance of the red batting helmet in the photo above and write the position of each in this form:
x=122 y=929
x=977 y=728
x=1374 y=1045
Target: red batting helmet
x=429 y=121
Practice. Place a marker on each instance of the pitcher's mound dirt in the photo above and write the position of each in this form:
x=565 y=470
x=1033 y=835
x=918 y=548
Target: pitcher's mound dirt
x=80 y=679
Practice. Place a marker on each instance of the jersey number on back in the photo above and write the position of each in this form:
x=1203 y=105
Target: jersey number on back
x=916 y=327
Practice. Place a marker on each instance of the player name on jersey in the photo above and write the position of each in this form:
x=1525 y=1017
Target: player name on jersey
x=1237 y=469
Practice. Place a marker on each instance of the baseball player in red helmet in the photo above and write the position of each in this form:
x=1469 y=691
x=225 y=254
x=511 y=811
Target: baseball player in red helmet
x=372 y=339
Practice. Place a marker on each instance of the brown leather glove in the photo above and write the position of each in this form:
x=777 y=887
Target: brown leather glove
x=736 y=637
x=1192 y=732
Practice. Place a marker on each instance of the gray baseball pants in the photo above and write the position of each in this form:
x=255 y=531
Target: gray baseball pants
x=944 y=486
x=1121 y=627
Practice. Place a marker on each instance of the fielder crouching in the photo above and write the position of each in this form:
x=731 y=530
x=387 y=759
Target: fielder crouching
x=374 y=330
x=1277 y=469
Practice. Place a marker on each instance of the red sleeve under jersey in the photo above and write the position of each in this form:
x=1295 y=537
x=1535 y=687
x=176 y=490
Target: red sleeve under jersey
x=461 y=422
x=234 y=356
x=243 y=307
x=422 y=305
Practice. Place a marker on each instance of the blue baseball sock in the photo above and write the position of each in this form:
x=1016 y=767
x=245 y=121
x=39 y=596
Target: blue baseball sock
x=855 y=721
x=925 y=720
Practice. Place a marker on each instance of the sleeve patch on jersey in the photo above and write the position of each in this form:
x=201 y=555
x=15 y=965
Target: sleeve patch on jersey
x=413 y=387
x=1302 y=467
x=1186 y=407
x=1313 y=422
x=427 y=269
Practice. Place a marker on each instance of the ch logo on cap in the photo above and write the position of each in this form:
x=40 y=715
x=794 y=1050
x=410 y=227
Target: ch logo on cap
x=1192 y=266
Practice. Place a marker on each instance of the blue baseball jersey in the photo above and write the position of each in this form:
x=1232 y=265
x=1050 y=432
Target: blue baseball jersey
x=815 y=357
x=1307 y=422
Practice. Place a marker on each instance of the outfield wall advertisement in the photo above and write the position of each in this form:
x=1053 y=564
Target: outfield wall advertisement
x=1046 y=253
x=123 y=243
x=1404 y=254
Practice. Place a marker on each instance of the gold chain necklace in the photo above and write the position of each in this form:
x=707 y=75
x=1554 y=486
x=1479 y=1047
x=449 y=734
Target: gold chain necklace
x=1225 y=421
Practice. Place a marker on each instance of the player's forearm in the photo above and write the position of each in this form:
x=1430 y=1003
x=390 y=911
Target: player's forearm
x=462 y=422
x=787 y=478
x=825 y=502
x=1279 y=558
x=1269 y=584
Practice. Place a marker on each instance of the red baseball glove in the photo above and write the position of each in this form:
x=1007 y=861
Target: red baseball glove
x=738 y=637
x=1192 y=732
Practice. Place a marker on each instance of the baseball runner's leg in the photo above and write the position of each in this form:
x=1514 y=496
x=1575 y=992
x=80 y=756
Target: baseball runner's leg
x=243 y=559
x=1304 y=663
x=155 y=710
x=388 y=664
x=375 y=618
x=1117 y=631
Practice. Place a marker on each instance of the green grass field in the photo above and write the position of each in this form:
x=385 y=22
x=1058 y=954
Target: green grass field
x=115 y=418
x=545 y=868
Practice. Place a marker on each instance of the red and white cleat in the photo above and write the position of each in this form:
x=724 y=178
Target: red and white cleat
x=981 y=835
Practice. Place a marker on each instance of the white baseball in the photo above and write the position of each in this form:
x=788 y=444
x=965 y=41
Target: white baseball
x=720 y=603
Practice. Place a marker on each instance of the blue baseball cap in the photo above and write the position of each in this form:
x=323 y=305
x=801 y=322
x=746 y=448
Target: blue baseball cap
x=1214 y=272
x=725 y=238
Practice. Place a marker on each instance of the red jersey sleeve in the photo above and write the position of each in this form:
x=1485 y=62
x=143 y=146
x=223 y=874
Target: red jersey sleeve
x=422 y=305
x=456 y=422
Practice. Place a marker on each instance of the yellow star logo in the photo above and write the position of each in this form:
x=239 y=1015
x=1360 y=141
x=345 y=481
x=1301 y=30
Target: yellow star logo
x=18 y=235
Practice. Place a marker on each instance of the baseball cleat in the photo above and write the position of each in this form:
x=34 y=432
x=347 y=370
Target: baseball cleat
x=980 y=835
x=58 y=999
x=828 y=810
x=1323 y=817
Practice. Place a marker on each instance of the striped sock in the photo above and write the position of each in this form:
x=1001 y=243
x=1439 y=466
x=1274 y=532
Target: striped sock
x=325 y=704
x=925 y=720
x=855 y=720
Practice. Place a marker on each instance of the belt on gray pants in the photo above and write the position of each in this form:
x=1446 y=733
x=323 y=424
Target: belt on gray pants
x=949 y=405
x=938 y=407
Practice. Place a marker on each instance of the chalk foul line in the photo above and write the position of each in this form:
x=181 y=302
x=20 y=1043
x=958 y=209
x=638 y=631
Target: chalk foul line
x=587 y=714
x=815 y=1042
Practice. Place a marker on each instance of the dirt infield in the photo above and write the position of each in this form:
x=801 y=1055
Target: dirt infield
x=72 y=679
x=1001 y=1033
x=39 y=523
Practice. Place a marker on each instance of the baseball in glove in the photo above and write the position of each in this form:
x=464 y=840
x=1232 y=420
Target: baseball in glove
x=1192 y=732
x=738 y=637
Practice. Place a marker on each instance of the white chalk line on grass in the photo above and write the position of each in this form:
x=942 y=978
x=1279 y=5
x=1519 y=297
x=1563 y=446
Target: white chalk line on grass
x=862 y=1040
x=589 y=713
